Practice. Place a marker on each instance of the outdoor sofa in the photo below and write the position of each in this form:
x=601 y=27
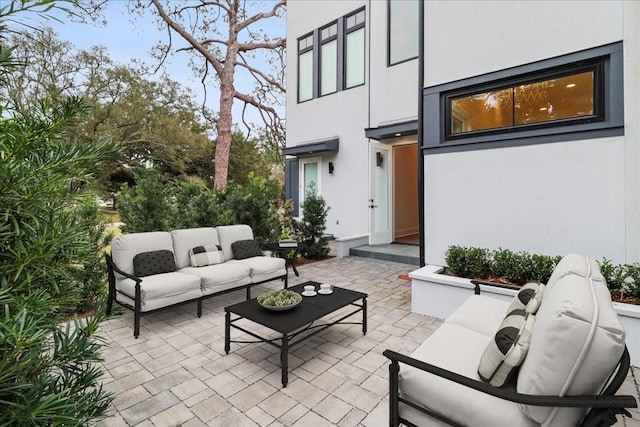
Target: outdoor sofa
x=555 y=356
x=154 y=270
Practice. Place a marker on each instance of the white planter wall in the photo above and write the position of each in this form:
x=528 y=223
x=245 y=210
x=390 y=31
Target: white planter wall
x=438 y=295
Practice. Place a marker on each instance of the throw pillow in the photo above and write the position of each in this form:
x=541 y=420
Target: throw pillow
x=206 y=255
x=529 y=298
x=506 y=352
x=154 y=262
x=245 y=249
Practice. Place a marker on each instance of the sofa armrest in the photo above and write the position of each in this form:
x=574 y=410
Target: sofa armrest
x=114 y=268
x=604 y=407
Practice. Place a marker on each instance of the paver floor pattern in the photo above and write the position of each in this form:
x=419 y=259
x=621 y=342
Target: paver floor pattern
x=176 y=372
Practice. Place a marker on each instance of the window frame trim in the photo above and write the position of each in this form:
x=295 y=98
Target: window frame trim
x=346 y=32
x=322 y=42
x=610 y=91
x=301 y=52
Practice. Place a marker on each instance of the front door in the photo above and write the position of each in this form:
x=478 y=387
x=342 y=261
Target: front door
x=380 y=221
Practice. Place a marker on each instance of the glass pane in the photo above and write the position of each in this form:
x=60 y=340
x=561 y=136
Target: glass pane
x=381 y=196
x=554 y=99
x=403 y=30
x=310 y=178
x=487 y=110
x=329 y=67
x=305 y=76
x=354 y=67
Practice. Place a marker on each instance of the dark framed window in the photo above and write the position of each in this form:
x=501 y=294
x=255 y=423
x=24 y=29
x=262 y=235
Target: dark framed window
x=305 y=68
x=329 y=59
x=402 y=31
x=354 y=49
x=575 y=96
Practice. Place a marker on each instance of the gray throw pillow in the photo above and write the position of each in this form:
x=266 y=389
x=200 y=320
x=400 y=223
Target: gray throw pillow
x=154 y=262
x=245 y=249
x=201 y=256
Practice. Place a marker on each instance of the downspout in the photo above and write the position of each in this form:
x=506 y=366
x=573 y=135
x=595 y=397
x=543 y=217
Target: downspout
x=420 y=130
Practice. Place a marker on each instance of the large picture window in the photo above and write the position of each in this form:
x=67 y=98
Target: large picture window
x=539 y=101
x=402 y=30
x=570 y=97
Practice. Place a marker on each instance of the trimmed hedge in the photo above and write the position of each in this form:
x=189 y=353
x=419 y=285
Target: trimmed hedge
x=521 y=267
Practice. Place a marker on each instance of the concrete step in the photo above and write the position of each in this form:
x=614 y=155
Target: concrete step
x=398 y=253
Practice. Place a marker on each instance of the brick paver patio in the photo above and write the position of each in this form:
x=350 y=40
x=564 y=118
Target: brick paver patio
x=177 y=374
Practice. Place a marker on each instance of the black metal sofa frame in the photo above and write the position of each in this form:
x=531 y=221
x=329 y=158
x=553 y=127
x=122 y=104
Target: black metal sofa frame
x=112 y=268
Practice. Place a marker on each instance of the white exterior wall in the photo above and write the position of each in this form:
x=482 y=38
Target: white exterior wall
x=346 y=114
x=574 y=196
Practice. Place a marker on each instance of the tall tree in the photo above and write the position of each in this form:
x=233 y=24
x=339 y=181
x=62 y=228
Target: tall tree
x=225 y=36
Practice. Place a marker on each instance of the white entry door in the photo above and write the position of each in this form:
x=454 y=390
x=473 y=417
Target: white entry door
x=380 y=220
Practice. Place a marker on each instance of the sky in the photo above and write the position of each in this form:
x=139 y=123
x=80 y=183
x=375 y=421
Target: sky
x=127 y=36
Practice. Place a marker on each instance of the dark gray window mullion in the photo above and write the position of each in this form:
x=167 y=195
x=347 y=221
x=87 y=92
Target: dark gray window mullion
x=341 y=51
x=291 y=182
x=316 y=63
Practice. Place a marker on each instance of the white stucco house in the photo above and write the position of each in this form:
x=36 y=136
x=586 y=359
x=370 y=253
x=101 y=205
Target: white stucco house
x=529 y=119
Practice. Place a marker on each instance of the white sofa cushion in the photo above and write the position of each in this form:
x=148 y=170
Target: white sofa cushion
x=127 y=246
x=262 y=267
x=161 y=285
x=456 y=349
x=481 y=314
x=577 y=340
x=220 y=277
x=187 y=239
x=232 y=233
x=507 y=350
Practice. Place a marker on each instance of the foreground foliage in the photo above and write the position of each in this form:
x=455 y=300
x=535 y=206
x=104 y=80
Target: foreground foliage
x=50 y=237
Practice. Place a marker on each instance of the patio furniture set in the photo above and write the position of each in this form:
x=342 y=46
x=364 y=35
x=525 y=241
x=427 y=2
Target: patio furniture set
x=555 y=356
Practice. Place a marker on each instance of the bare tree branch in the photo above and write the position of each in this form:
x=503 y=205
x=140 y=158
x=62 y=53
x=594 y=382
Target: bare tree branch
x=243 y=47
x=261 y=15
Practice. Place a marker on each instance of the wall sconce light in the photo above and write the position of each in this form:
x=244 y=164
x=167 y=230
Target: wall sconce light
x=378 y=158
x=331 y=168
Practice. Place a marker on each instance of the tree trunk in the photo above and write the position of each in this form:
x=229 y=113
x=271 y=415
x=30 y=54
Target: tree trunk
x=227 y=93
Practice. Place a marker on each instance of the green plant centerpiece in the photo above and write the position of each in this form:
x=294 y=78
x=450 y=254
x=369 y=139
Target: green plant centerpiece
x=280 y=300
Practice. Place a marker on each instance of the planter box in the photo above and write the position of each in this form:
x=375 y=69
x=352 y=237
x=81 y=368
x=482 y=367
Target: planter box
x=438 y=295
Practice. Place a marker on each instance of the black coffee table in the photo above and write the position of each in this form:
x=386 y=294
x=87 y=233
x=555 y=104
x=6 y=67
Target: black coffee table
x=297 y=324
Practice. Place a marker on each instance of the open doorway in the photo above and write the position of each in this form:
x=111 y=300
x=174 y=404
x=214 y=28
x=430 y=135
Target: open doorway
x=405 y=194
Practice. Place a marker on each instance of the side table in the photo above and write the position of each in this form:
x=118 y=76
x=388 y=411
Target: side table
x=288 y=252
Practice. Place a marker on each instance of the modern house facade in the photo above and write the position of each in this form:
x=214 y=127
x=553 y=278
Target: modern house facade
x=528 y=115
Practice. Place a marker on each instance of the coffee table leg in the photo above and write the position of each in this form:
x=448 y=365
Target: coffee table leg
x=284 y=359
x=227 y=332
x=364 y=316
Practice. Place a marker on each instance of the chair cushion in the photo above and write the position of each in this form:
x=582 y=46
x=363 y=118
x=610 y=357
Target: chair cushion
x=529 y=298
x=577 y=340
x=481 y=314
x=219 y=277
x=456 y=349
x=206 y=255
x=186 y=239
x=153 y=262
x=507 y=350
x=243 y=249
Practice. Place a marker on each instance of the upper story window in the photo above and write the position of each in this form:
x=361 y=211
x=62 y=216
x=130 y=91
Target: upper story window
x=354 y=49
x=305 y=68
x=571 y=97
x=332 y=57
x=402 y=30
x=329 y=59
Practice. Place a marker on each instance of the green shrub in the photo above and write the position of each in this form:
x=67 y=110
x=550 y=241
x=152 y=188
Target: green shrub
x=541 y=267
x=467 y=262
x=146 y=206
x=633 y=280
x=510 y=265
x=195 y=205
x=614 y=275
x=49 y=237
x=313 y=225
